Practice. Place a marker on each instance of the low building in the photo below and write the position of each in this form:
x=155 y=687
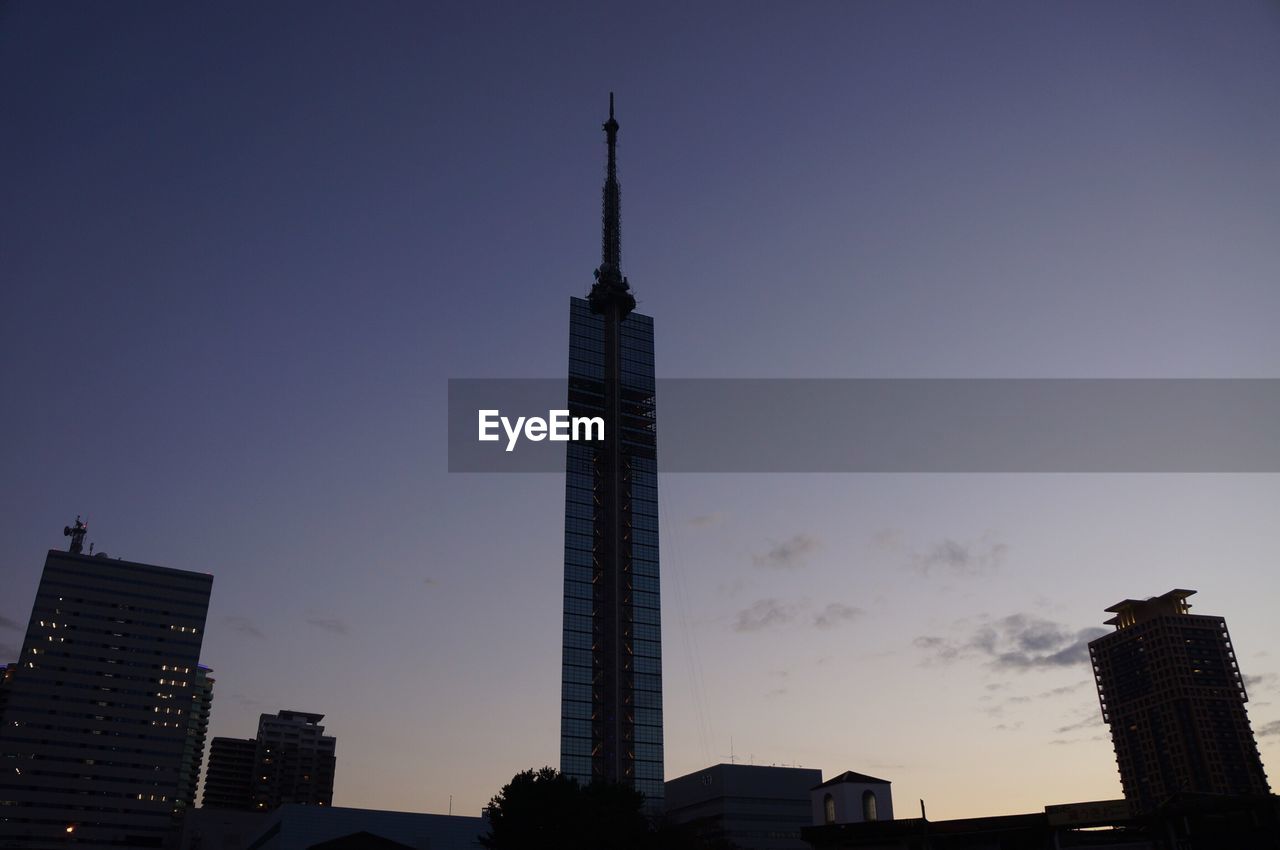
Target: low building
x=852 y=798
x=298 y=827
x=1199 y=822
x=751 y=807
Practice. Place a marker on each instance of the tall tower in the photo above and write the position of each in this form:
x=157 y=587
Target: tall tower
x=1172 y=692
x=611 y=693
x=97 y=747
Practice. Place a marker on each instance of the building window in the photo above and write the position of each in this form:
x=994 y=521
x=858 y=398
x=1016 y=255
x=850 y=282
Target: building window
x=868 y=805
x=829 y=809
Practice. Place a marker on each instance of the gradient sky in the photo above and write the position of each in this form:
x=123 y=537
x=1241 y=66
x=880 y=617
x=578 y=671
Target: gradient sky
x=243 y=247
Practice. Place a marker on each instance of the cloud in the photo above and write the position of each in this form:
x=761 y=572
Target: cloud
x=8 y=653
x=1064 y=690
x=765 y=613
x=707 y=520
x=430 y=582
x=1261 y=682
x=244 y=626
x=950 y=556
x=1016 y=643
x=787 y=554
x=836 y=613
x=1269 y=729
x=6 y=623
x=329 y=624
x=1088 y=722
x=776 y=692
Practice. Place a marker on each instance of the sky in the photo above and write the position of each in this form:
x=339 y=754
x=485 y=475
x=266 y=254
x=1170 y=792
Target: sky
x=243 y=247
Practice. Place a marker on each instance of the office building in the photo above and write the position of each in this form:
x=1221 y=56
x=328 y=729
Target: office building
x=611 y=690
x=291 y=761
x=98 y=717
x=1171 y=690
x=750 y=807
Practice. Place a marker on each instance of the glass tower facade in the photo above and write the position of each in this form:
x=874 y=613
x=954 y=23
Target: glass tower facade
x=611 y=696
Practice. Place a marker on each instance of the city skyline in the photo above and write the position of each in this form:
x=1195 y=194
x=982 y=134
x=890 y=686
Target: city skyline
x=249 y=250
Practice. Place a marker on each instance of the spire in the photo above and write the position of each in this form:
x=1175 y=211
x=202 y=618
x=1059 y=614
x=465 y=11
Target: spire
x=610 y=285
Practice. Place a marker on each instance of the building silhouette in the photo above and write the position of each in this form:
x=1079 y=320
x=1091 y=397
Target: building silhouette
x=228 y=781
x=1172 y=692
x=290 y=761
x=96 y=746
x=611 y=695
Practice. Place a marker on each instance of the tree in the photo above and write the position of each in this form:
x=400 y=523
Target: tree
x=546 y=810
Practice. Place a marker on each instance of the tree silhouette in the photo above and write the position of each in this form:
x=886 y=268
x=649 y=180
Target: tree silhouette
x=546 y=810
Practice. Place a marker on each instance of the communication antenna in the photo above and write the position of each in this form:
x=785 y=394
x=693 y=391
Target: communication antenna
x=76 y=533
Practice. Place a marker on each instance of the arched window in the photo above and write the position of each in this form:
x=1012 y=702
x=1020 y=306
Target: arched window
x=829 y=809
x=868 y=805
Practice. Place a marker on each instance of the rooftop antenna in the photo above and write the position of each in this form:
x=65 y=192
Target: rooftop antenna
x=76 y=533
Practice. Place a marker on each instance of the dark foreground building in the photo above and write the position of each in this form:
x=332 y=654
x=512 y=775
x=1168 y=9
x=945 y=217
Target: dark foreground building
x=1185 y=822
x=95 y=745
x=1172 y=692
x=611 y=692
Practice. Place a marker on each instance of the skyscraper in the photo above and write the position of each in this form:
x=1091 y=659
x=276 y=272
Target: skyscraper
x=611 y=690
x=1171 y=690
x=97 y=722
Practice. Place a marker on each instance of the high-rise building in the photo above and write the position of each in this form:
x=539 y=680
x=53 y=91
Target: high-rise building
x=290 y=761
x=228 y=782
x=98 y=716
x=197 y=734
x=611 y=690
x=294 y=761
x=1172 y=692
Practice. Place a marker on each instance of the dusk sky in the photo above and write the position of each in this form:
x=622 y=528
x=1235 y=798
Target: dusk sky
x=244 y=246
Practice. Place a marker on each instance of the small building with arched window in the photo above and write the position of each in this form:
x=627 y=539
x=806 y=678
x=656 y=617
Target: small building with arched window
x=851 y=798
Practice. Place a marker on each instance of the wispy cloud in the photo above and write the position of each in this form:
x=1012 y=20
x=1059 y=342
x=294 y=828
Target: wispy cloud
x=6 y=623
x=1269 y=729
x=1089 y=721
x=707 y=520
x=836 y=613
x=8 y=653
x=1261 y=682
x=956 y=558
x=243 y=626
x=1064 y=690
x=329 y=624
x=787 y=554
x=430 y=582
x=765 y=613
x=1017 y=642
